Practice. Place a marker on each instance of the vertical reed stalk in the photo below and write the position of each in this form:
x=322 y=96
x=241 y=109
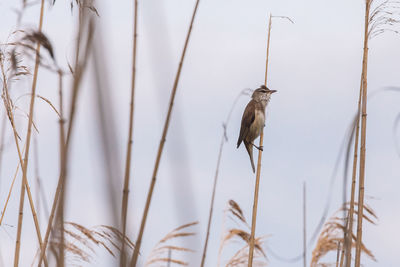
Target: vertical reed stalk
x=304 y=226
x=3 y=131
x=125 y=195
x=9 y=192
x=28 y=139
x=169 y=258
x=338 y=254
x=257 y=184
x=349 y=228
x=342 y=246
x=78 y=73
x=223 y=140
x=62 y=159
x=162 y=142
x=363 y=136
x=221 y=146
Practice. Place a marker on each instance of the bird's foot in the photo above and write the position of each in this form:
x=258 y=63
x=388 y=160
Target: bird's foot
x=258 y=147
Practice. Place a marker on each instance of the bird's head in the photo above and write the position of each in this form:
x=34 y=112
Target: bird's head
x=262 y=93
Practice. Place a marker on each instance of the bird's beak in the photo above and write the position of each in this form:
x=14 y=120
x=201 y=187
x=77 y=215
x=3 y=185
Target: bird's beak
x=272 y=91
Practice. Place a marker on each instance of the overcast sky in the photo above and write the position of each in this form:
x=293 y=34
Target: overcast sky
x=315 y=65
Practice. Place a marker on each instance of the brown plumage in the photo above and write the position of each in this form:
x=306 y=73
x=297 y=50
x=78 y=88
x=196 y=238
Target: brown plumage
x=253 y=120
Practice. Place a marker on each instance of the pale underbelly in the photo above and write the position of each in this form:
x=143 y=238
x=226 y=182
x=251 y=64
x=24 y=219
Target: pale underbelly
x=256 y=127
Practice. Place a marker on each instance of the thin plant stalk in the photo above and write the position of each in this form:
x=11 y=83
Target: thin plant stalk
x=10 y=191
x=8 y=107
x=3 y=131
x=28 y=139
x=24 y=163
x=338 y=254
x=363 y=137
x=223 y=141
x=342 y=246
x=349 y=230
x=62 y=159
x=162 y=143
x=257 y=184
x=78 y=73
x=221 y=146
x=169 y=258
x=304 y=226
x=124 y=211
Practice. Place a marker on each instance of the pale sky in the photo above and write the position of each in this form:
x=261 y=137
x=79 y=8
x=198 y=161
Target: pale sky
x=315 y=65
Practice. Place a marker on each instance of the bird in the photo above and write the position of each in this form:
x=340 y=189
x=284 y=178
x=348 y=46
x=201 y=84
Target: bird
x=253 y=120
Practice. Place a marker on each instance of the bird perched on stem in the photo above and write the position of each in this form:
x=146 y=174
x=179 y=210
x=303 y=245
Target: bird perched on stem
x=253 y=120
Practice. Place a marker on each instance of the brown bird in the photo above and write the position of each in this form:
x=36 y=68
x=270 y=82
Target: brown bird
x=253 y=120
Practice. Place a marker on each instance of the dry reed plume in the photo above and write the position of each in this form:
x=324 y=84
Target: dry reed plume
x=241 y=233
x=166 y=247
x=331 y=237
x=80 y=243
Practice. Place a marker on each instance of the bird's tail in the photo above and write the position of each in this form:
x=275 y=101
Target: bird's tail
x=249 y=148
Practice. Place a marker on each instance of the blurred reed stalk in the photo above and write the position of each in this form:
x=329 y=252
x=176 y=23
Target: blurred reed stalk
x=338 y=253
x=2 y=134
x=304 y=225
x=257 y=184
x=125 y=195
x=9 y=191
x=80 y=65
x=162 y=143
x=60 y=217
x=224 y=139
x=363 y=135
x=26 y=156
x=346 y=247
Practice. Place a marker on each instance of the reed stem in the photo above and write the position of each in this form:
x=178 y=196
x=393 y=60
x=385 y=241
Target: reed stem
x=124 y=211
x=360 y=214
x=78 y=73
x=349 y=226
x=304 y=225
x=162 y=142
x=257 y=184
x=223 y=140
x=24 y=164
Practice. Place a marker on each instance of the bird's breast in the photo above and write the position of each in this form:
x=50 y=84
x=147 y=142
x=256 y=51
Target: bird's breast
x=257 y=125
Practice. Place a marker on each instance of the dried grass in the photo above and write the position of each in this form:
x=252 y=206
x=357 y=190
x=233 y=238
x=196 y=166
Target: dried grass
x=81 y=243
x=164 y=247
x=332 y=236
x=241 y=234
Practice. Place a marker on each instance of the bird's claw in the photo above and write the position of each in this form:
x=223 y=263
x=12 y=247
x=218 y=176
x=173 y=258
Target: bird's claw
x=258 y=147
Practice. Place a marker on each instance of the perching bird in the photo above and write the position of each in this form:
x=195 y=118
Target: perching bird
x=253 y=120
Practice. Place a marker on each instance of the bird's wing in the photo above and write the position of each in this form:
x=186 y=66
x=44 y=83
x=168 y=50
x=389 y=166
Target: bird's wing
x=248 y=117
